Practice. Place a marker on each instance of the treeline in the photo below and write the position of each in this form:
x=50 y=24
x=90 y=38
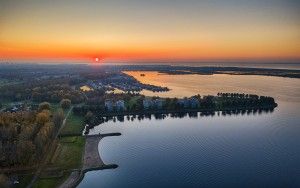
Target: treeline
x=52 y=90
x=25 y=135
x=244 y=100
x=219 y=102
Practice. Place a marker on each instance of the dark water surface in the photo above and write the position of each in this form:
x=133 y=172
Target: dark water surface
x=256 y=150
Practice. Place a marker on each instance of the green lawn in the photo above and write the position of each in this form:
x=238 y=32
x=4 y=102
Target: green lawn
x=69 y=153
x=49 y=182
x=74 y=125
x=68 y=156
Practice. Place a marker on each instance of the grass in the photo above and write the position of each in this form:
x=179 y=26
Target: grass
x=74 y=125
x=49 y=182
x=69 y=153
x=69 y=139
x=68 y=156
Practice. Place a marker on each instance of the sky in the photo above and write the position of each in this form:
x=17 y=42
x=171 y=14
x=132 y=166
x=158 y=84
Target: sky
x=150 y=29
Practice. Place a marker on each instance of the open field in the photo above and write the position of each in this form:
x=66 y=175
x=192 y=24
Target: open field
x=68 y=154
x=50 y=182
x=74 y=125
x=67 y=157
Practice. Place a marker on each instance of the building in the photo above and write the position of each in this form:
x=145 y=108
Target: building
x=147 y=103
x=109 y=105
x=120 y=105
x=158 y=103
x=189 y=102
x=153 y=104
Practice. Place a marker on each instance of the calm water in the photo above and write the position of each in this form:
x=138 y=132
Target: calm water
x=256 y=150
x=259 y=64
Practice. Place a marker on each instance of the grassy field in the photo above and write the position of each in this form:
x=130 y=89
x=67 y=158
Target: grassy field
x=74 y=125
x=69 y=152
x=50 y=182
x=68 y=156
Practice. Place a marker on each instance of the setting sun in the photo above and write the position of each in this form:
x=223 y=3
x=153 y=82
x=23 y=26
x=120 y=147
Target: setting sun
x=149 y=93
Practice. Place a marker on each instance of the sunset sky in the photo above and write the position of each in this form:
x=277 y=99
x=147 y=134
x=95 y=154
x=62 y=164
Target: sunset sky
x=150 y=29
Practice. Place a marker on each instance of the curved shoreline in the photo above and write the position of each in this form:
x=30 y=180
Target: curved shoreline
x=91 y=160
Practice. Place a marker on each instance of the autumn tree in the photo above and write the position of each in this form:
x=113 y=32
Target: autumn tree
x=44 y=106
x=43 y=117
x=58 y=118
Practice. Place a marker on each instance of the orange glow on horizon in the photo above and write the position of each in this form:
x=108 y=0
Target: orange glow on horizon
x=174 y=30
x=156 y=52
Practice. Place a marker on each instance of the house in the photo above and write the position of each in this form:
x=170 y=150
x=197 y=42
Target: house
x=109 y=105
x=155 y=104
x=147 y=103
x=158 y=103
x=120 y=105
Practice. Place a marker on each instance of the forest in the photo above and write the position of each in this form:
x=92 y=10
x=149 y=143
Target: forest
x=24 y=135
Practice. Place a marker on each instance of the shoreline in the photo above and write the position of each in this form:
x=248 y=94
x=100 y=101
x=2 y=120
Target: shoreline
x=90 y=161
x=148 y=112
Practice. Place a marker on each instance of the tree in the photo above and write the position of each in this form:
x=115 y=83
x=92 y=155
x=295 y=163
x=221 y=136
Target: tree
x=58 y=118
x=44 y=106
x=43 y=117
x=4 y=182
x=65 y=103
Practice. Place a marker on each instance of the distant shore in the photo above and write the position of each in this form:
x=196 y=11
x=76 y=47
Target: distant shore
x=210 y=70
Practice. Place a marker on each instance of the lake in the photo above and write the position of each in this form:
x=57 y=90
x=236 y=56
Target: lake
x=255 y=150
